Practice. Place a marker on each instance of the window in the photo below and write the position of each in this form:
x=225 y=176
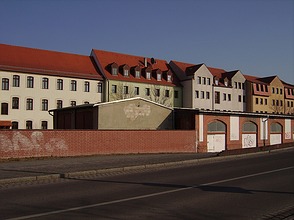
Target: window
x=217 y=97
x=14 y=125
x=225 y=96
x=273 y=90
x=59 y=84
x=157 y=92
x=73 y=103
x=99 y=87
x=136 y=90
x=243 y=86
x=236 y=85
x=5 y=84
x=216 y=82
x=240 y=98
x=266 y=89
x=166 y=93
x=114 y=71
x=240 y=85
x=59 y=104
x=216 y=126
x=147 y=91
x=15 y=103
x=126 y=90
x=281 y=91
x=229 y=97
x=126 y=72
x=226 y=83
x=4 y=108
x=158 y=77
x=29 y=125
x=204 y=80
x=44 y=105
x=277 y=102
x=87 y=86
x=281 y=103
x=148 y=75
x=16 y=80
x=256 y=101
x=275 y=128
x=30 y=104
x=207 y=95
x=176 y=94
x=137 y=74
x=44 y=125
x=202 y=94
x=30 y=82
x=196 y=94
x=113 y=88
x=257 y=87
x=261 y=101
x=277 y=90
x=73 y=85
x=249 y=127
x=208 y=81
x=262 y=88
x=45 y=83
x=169 y=78
x=199 y=79
x=273 y=103
x=288 y=103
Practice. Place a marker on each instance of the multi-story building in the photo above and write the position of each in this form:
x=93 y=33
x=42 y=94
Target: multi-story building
x=289 y=98
x=34 y=81
x=210 y=88
x=128 y=76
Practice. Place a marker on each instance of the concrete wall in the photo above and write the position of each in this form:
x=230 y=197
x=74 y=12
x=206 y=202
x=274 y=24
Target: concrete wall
x=46 y=143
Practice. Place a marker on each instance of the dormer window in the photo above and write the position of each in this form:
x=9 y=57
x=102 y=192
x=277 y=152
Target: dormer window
x=148 y=75
x=126 y=70
x=216 y=81
x=169 y=76
x=157 y=74
x=114 y=69
x=137 y=72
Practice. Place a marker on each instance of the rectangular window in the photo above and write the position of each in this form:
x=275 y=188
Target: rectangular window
x=217 y=97
x=202 y=94
x=15 y=103
x=126 y=73
x=4 y=108
x=288 y=103
x=148 y=75
x=281 y=103
x=114 y=71
x=87 y=86
x=273 y=103
x=169 y=78
x=73 y=85
x=30 y=104
x=262 y=88
x=147 y=91
x=257 y=87
x=273 y=90
x=225 y=97
x=45 y=83
x=126 y=90
x=265 y=101
x=113 y=88
x=277 y=90
x=256 y=101
x=136 y=90
x=266 y=89
x=29 y=125
x=229 y=97
x=281 y=91
x=99 y=87
x=158 y=77
x=44 y=125
x=5 y=84
x=204 y=80
x=14 y=125
x=197 y=94
x=199 y=79
x=176 y=94
x=30 y=82
x=59 y=104
x=137 y=74
x=207 y=95
x=166 y=93
x=240 y=98
x=44 y=105
x=73 y=103
x=16 y=81
x=240 y=85
x=208 y=81
x=261 y=101
x=277 y=102
x=59 y=84
x=236 y=85
x=157 y=92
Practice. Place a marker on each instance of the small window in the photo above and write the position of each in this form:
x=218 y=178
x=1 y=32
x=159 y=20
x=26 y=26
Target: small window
x=207 y=95
x=73 y=85
x=16 y=81
x=113 y=88
x=114 y=71
x=208 y=81
x=204 y=80
x=73 y=103
x=137 y=91
x=216 y=82
x=229 y=97
x=249 y=127
x=158 y=77
x=277 y=90
x=262 y=88
x=256 y=101
x=126 y=90
x=45 y=83
x=273 y=90
x=166 y=93
x=225 y=97
x=44 y=125
x=147 y=91
x=44 y=105
x=202 y=94
x=126 y=72
x=216 y=126
x=217 y=97
x=197 y=94
x=137 y=74
x=236 y=85
x=87 y=86
x=169 y=78
x=30 y=104
x=15 y=103
x=240 y=98
x=265 y=101
x=30 y=82
x=29 y=125
x=261 y=101
x=148 y=75
x=59 y=84
x=281 y=91
x=5 y=84
x=99 y=85
x=273 y=103
x=4 y=108
x=199 y=79
x=240 y=85
x=275 y=128
x=14 y=125
x=257 y=87
x=176 y=94
x=157 y=92
x=59 y=104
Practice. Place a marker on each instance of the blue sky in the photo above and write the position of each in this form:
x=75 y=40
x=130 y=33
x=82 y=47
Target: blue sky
x=254 y=36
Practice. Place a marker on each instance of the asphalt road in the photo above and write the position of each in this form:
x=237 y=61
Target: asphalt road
x=255 y=187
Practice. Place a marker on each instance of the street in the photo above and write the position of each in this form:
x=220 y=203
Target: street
x=252 y=187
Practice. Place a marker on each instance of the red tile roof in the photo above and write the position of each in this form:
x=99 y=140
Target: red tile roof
x=106 y=58
x=38 y=61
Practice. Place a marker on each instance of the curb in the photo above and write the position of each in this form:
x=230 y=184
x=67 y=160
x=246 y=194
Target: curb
x=135 y=167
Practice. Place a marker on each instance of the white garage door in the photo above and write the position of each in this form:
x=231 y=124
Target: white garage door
x=216 y=142
x=275 y=139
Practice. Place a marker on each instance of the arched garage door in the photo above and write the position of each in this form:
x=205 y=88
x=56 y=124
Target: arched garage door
x=276 y=132
x=216 y=136
x=249 y=135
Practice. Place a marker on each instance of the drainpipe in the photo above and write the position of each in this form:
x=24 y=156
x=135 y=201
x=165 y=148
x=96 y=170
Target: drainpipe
x=264 y=121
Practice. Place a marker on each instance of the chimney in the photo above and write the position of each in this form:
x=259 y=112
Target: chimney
x=145 y=61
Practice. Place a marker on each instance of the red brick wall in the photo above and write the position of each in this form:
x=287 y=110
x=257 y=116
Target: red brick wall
x=44 y=143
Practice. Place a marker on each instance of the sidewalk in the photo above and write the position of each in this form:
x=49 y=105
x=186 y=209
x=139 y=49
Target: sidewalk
x=55 y=168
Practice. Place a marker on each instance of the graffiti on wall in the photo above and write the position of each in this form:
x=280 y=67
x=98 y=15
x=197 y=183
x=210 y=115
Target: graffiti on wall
x=133 y=111
x=36 y=141
x=249 y=140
